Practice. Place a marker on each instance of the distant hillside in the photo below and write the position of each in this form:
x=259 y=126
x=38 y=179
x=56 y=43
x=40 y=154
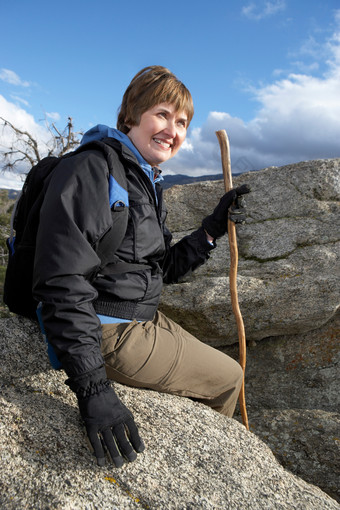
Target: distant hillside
x=172 y=180
x=13 y=193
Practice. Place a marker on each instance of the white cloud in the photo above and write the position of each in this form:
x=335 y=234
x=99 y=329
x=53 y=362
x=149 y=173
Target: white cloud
x=54 y=116
x=21 y=118
x=305 y=68
x=20 y=100
x=298 y=119
x=23 y=121
x=12 y=78
x=263 y=10
x=11 y=180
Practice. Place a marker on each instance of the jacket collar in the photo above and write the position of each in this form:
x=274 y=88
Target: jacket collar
x=127 y=148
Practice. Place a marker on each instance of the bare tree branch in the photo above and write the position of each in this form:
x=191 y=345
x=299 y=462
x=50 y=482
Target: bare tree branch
x=27 y=149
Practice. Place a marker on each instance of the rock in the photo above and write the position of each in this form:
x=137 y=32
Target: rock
x=195 y=458
x=293 y=401
x=289 y=255
x=289 y=296
x=288 y=287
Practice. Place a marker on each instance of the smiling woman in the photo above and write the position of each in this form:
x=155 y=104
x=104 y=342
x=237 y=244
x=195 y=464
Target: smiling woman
x=99 y=301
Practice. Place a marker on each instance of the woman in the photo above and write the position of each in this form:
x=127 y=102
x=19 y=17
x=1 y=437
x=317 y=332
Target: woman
x=105 y=324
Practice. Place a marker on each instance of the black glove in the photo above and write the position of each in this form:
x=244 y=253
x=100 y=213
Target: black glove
x=109 y=424
x=216 y=224
x=237 y=211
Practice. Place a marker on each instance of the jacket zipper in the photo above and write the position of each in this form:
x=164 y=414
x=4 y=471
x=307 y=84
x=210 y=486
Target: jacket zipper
x=149 y=185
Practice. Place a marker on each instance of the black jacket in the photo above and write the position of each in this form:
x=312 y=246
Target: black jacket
x=75 y=226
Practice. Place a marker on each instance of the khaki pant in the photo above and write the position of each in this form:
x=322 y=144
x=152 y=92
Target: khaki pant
x=162 y=356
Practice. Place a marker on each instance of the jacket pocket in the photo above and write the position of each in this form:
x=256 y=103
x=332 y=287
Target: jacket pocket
x=130 y=286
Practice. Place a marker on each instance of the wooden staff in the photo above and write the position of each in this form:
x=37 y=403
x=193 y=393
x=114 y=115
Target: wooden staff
x=228 y=184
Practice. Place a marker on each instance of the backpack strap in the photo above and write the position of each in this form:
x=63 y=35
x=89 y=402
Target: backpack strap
x=109 y=147
x=118 y=197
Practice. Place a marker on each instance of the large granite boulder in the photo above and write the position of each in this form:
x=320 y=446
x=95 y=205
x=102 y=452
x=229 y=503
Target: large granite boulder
x=289 y=255
x=195 y=458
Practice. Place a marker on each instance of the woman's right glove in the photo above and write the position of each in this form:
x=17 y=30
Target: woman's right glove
x=216 y=224
x=109 y=424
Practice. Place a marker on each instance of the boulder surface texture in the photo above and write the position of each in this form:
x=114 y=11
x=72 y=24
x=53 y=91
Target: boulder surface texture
x=289 y=255
x=194 y=457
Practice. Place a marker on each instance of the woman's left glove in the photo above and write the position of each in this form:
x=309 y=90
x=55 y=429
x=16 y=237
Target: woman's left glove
x=109 y=424
x=216 y=224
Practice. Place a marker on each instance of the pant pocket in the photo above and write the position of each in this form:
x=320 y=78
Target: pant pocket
x=126 y=347
x=113 y=335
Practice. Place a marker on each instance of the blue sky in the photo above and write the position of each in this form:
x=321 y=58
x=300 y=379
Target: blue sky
x=266 y=71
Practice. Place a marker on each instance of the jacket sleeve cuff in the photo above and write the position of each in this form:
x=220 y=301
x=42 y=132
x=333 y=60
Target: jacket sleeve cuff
x=204 y=246
x=90 y=383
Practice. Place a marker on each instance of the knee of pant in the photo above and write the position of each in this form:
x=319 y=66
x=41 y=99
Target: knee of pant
x=232 y=375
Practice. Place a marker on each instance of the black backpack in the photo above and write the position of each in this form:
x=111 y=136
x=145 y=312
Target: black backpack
x=25 y=221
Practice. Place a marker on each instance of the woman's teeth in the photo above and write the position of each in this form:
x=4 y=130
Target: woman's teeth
x=162 y=143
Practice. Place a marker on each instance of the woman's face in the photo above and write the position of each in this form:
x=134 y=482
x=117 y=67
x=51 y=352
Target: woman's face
x=160 y=133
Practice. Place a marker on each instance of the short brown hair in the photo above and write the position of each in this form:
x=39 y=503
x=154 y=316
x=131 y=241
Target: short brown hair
x=151 y=86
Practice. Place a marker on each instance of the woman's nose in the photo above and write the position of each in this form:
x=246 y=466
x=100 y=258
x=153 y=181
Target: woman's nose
x=170 y=129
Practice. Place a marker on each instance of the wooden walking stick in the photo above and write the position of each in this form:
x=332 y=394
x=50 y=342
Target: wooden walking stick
x=228 y=184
